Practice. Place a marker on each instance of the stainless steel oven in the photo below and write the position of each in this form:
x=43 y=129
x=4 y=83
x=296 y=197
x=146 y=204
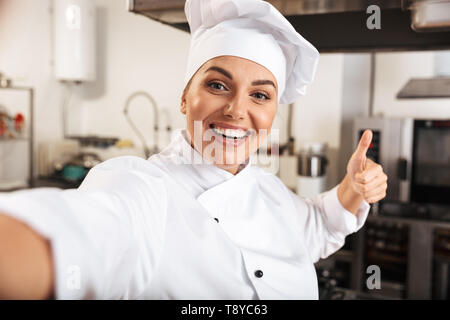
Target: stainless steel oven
x=415 y=154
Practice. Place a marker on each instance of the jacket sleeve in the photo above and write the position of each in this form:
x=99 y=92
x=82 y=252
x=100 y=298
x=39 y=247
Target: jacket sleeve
x=94 y=230
x=325 y=223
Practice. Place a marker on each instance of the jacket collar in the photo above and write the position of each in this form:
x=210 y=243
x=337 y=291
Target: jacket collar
x=189 y=167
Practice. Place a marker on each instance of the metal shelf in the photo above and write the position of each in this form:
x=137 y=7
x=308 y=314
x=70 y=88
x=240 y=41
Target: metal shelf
x=14 y=139
x=30 y=139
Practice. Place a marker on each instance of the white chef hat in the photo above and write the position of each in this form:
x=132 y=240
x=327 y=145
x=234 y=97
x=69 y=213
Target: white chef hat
x=254 y=30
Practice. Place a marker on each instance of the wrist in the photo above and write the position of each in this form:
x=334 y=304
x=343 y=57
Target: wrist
x=348 y=197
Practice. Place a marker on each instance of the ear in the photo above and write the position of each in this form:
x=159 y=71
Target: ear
x=183 y=103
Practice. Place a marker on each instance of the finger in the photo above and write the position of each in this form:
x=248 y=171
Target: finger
x=379 y=189
x=369 y=174
x=365 y=187
x=363 y=145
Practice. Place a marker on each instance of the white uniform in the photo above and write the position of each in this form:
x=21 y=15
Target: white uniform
x=145 y=229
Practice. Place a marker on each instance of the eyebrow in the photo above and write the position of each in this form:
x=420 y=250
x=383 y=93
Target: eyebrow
x=220 y=70
x=229 y=76
x=263 y=82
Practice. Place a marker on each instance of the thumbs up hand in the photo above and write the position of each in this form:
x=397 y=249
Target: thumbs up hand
x=366 y=177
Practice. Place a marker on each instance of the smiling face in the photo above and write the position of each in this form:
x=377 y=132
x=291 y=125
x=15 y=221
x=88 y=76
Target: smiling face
x=230 y=104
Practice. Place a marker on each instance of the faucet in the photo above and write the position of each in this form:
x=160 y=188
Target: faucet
x=147 y=150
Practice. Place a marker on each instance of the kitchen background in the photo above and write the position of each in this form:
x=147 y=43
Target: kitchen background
x=134 y=53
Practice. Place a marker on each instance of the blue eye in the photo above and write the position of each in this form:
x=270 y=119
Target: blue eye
x=216 y=85
x=261 y=96
x=219 y=86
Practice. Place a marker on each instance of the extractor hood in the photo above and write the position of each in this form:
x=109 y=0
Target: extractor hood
x=434 y=87
x=340 y=25
x=430 y=15
x=416 y=88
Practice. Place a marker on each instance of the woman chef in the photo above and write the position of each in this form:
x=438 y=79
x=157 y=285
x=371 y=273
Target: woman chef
x=196 y=221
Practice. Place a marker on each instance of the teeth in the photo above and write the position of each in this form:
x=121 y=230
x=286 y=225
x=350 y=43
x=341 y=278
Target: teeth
x=231 y=133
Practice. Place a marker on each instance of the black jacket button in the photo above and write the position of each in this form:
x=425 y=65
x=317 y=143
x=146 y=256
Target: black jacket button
x=217 y=220
x=258 y=273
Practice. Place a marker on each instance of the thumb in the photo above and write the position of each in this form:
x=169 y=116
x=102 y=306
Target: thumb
x=361 y=150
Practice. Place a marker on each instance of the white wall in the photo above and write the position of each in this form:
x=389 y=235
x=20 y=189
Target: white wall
x=393 y=70
x=317 y=115
x=355 y=102
x=341 y=91
x=25 y=56
x=134 y=53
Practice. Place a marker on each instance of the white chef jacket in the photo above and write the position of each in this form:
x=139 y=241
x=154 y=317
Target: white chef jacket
x=165 y=228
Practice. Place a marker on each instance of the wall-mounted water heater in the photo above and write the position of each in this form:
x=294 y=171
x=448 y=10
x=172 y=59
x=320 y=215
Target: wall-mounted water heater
x=74 y=40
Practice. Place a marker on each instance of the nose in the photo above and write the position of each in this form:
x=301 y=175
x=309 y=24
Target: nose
x=236 y=108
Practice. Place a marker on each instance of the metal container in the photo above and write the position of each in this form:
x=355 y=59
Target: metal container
x=311 y=169
x=312 y=160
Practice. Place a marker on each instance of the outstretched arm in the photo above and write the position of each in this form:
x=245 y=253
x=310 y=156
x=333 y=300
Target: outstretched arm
x=87 y=243
x=26 y=270
x=325 y=220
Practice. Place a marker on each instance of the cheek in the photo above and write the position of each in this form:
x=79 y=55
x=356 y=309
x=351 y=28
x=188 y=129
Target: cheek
x=200 y=106
x=263 y=118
